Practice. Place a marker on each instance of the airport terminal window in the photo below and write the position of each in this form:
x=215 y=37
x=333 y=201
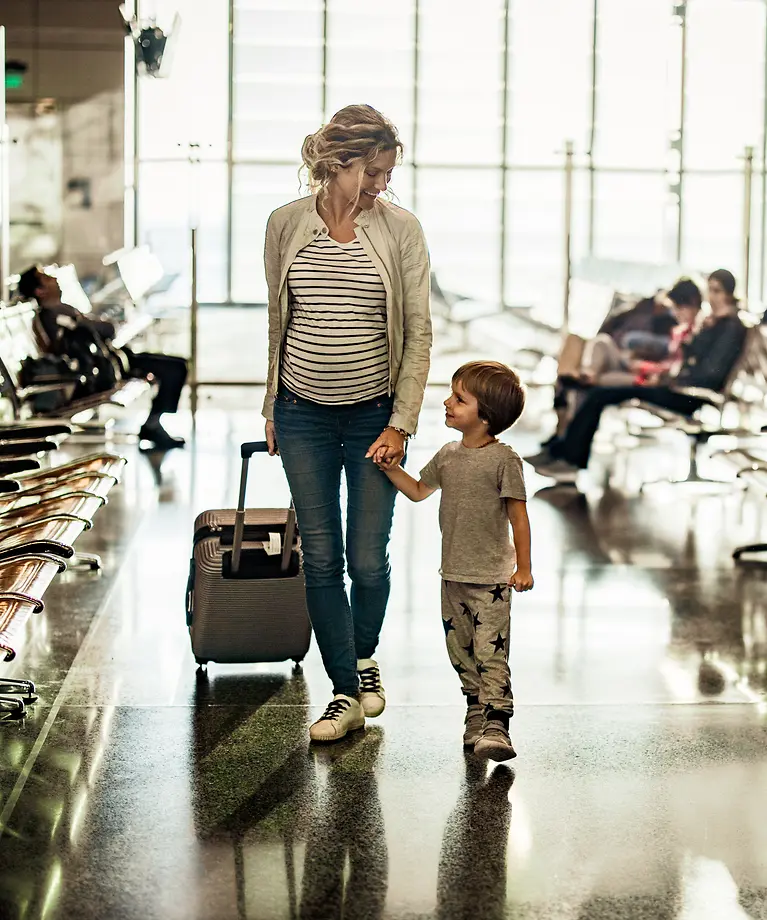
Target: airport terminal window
x=534 y=242
x=460 y=210
x=725 y=82
x=712 y=220
x=635 y=86
x=635 y=217
x=549 y=79
x=460 y=82
x=297 y=61
x=370 y=58
x=258 y=190
x=190 y=105
x=168 y=193
x=277 y=92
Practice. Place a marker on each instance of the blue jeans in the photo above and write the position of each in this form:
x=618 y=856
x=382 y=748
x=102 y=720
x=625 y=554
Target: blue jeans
x=316 y=442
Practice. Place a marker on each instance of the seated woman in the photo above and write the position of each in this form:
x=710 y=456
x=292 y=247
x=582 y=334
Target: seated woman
x=706 y=362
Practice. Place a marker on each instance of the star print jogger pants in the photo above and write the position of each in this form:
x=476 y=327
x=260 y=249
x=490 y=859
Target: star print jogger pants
x=476 y=619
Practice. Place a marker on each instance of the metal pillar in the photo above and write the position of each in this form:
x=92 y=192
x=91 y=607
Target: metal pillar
x=504 y=148
x=325 y=62
x=5 y=198
x=194 y=309
x=593 y=127
x=568 y=234
x=681 y=11
x=763 y=239
x=230 y=156
x=748 y=175
x=416 y=96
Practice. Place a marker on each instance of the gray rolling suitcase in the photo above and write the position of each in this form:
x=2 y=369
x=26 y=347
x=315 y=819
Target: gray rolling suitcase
x=246 y=604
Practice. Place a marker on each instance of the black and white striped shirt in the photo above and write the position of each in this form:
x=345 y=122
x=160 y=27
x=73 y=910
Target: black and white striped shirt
x=336 y=347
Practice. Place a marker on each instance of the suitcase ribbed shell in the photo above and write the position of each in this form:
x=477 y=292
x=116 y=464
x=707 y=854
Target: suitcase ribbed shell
x=245 y=620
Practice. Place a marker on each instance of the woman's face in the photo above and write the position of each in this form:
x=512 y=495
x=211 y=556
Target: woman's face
x=375 y=179
x=717 y=296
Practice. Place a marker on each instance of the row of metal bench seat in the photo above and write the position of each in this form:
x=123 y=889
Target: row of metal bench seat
x=18 y=341
x=42 y=515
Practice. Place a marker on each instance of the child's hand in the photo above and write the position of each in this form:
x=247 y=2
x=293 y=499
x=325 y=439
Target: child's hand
x=382 y=461
x=521 y=580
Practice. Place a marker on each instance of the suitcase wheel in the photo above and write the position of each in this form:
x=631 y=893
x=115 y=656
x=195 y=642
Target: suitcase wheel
x=201 y=663
x=297 y=669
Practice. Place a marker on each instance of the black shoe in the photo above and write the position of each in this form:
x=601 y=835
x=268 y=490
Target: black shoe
x=159 y=437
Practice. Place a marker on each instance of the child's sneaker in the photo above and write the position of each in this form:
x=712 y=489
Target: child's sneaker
x=343 y=714
x=372 y=693
x=474 y=721
x=495 y=742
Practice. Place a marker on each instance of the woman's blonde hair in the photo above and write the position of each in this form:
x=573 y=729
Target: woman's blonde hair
x=357 y=132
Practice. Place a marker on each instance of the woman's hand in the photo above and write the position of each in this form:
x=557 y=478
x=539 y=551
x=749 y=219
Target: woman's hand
x=388 y=449
x=271 y=439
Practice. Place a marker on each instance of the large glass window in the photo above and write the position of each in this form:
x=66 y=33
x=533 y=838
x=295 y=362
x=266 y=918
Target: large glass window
x=550 y=46
x=259 y=190
x=171 y=197
x=442 y=72
x=277 y=77
x=460 y=210
x=460 y=82
x=635 y=86
x=636 y=220
x=725 y=81
x=535 y=252
x=370 y=59
x=190 y=105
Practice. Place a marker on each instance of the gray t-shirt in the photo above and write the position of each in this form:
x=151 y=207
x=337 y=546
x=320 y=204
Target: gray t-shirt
x=475 y=483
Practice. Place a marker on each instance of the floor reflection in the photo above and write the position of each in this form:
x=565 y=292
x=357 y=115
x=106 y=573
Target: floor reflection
x=347 y=828
x=472 y=867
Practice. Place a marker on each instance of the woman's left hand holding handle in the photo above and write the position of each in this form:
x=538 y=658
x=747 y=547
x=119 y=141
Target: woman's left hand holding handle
x=271 y=439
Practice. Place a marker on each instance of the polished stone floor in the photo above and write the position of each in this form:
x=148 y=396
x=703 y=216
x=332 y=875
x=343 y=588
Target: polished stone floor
x=134 y=789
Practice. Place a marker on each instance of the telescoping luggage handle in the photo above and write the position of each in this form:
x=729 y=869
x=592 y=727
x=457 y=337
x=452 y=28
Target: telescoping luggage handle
x=246 y=452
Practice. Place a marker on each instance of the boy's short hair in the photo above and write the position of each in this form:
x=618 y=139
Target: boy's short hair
x=686 y=293
x=498 y=390
x=29 y=282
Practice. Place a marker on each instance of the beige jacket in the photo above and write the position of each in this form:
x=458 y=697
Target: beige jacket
x=394 y=241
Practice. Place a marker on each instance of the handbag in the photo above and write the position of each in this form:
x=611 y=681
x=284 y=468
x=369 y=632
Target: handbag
x=54 y=370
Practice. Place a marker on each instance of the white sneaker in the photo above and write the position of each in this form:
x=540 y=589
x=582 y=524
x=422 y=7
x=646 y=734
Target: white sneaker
x=372 y=693
x=343 y=714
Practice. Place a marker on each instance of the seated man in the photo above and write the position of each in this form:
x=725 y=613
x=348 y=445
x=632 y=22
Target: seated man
x=169 y=372
x=706 y=362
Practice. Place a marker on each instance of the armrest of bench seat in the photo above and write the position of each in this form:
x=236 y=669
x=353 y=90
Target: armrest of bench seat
x=9 y=467
x=25 y=448
x=23 y=582
x=709 y=396
x=97 y=463
x=82 y=505
x=21 y=431
x=96 y=483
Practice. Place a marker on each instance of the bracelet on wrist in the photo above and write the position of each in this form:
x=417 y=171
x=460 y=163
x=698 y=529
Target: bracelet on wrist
x=401 y=431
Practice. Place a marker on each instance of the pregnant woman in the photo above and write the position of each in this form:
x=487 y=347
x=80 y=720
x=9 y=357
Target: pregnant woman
x=349 y=345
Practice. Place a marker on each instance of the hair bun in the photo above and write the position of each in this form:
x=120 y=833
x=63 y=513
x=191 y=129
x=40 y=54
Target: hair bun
x=356 y=132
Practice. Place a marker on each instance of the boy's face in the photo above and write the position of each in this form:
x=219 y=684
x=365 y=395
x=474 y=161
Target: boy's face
x=462 y=411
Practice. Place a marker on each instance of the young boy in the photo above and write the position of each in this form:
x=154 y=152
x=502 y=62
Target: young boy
x=482 y=491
